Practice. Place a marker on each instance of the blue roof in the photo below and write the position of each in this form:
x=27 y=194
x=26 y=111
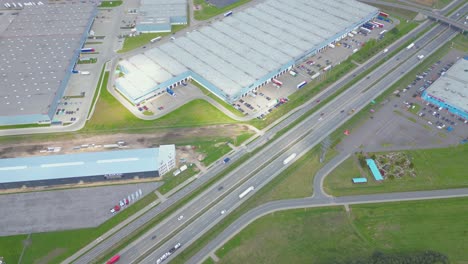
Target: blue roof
x=78 y=165
x=374 y=169
x=359 y=180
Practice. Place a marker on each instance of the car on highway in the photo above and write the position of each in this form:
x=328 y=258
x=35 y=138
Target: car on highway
x=121 y=203
x=180 y=217
x=226 y=160
x=223 y=212
x=112 y=210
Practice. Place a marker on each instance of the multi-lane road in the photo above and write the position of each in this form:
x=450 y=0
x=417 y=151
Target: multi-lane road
x=196 y=206
x=275 y=206
x=356 y=97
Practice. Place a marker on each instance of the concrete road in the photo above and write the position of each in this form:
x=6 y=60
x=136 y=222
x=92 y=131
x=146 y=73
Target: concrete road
x=272 y=207
x=278 y=145
x=356 y=97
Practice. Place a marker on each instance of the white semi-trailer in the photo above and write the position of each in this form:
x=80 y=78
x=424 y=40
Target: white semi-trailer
x=288 y=159
x=244 y=193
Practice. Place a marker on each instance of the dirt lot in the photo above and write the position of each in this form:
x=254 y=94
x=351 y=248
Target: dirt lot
x=24 y=147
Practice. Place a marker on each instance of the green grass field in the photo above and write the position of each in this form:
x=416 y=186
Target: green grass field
x=435 y=169
x=111 y=115
x=208 y=11
x=131 y=43
x=217 y=99
x=110 y=3
x=213 y=150
x=330 y=235
x=171 y=181
x=57 y=246
x=295 y=182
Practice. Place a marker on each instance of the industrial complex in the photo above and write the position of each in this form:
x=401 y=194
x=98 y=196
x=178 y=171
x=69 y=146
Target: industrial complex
x=243 y=51
x=40 y=45
x=86 y=167
x=450 y=91
x=160 y=15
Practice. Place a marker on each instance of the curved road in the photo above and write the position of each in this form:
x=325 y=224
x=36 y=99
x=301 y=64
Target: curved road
x=356 y=97
x=299 y=130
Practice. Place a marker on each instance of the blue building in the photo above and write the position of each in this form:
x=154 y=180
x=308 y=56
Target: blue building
x=240 y=53
x=161 y=15
x=450 y=91
x=86 y=167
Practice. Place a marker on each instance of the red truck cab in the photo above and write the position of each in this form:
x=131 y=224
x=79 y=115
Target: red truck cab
x=113 y=260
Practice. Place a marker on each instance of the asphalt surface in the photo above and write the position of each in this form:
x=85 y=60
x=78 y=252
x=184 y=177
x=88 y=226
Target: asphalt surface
x=355 y=97
x=451 y=21
x=271 y=207
x=46 y=211
x=162 y=230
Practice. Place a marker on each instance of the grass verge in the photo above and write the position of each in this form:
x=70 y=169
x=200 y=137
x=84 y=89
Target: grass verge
x=110 y=3
x=171 y=181
x=392 y=228
x=217 y=99
x=435 y=169
x=295 y=182
x=131 y=43
x=208 y=11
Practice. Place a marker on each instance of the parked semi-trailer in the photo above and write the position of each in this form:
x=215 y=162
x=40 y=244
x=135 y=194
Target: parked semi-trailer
x=302 y=84
x=244 y=193
x=382 y=14
x=87 y=50
x=275 y=81
x=288 y=159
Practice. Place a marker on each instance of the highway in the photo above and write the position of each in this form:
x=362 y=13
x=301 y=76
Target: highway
x=356 y=97
x=170 y=224
x=275 y=206
x=450 y=21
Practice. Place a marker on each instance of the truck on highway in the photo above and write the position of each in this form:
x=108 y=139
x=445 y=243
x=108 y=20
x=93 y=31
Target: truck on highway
x=244 y=193
x=85 y=73
x=228 y=14
x=288 y=159
x=155 y=39
x=410 y=46
x=114 y=259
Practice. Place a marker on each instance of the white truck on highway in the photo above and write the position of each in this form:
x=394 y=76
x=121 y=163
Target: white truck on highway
x=288 y=159
x=410 y=46
x=244 y=193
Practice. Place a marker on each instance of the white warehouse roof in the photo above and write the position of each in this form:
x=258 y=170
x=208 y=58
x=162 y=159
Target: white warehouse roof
x=234 y=53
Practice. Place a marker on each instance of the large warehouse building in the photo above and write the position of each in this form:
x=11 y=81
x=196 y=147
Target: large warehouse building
x=450 y=91
x=86 y=167
x=160 y=15
x=243 y=51
x=40 y=44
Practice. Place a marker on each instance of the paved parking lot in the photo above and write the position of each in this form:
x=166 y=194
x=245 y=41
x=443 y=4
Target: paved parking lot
x=314 y=68
x=45 y=211
x=265 y=99
x=397 y=125
x=429 y=114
